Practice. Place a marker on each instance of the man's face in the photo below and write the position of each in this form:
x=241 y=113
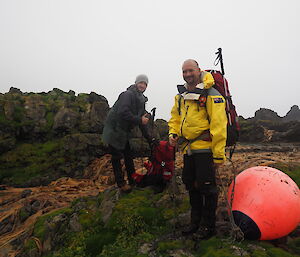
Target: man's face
x=141 y=86
x=191 y=73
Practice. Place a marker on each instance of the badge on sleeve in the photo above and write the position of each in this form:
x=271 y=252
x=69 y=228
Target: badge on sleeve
x=218 y=100
x=202 y=101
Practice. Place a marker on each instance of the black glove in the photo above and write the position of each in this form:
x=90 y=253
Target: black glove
x=153 y=142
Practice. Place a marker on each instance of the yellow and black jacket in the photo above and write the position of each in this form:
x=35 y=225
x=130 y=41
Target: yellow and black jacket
x=195 y=113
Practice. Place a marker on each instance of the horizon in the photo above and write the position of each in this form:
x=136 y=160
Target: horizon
x=78 y=93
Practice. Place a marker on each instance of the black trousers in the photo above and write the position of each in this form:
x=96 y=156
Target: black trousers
x=117 y=155
x=199 y=178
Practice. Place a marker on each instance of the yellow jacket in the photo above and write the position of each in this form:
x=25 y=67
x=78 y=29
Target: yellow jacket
x=189 y=119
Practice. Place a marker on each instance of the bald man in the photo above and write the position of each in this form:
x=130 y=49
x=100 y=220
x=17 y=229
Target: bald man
x=198 y=125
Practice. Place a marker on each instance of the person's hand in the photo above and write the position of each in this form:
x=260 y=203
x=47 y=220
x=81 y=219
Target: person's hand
x=173 y=140
x=145 y=119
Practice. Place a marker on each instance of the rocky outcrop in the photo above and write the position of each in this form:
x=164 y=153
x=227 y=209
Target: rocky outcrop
x=65 y=120
x=293 y=114
x=266 y=114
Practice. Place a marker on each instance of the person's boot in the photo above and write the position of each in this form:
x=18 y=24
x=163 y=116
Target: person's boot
x=204 y=233
x=191 y=229
x=126 y=188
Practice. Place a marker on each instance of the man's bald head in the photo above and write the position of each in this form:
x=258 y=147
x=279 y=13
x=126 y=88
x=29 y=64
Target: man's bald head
x=191 y=62
x=191 y=72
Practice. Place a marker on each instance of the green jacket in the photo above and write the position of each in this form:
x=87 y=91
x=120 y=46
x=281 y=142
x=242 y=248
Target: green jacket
x=125 y=114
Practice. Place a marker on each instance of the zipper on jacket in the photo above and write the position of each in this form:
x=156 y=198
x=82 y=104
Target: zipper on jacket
x=187 y=108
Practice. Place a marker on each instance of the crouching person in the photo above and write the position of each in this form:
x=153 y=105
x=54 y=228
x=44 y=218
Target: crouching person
x=127 y=112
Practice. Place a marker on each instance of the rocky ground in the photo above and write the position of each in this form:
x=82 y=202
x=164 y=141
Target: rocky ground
x=23 y=209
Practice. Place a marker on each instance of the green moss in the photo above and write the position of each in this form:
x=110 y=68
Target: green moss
x=277 y=252
x=88 y=218
x=136 y=213
x=96 y=242
x=294 y=245
x=18 y=113
x=23 y=214
x=170 y=245
x=259 y=253
x=291 y=169
x=29 y=245
x=214 y=247
x=28 y=161
x=40 y=228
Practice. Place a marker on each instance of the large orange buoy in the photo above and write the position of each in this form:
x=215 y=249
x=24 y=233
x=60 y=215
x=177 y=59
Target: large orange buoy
x=266 y=203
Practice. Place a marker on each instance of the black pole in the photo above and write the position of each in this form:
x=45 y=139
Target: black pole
x=220 y=59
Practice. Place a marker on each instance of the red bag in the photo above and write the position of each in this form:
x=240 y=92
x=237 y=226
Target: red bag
x=161 y=163
x=233 y=127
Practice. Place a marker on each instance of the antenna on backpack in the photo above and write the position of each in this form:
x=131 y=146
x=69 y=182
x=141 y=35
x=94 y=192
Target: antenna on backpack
x=219 y=59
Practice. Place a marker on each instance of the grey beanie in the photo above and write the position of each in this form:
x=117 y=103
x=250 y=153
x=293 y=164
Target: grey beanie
x=141 y=78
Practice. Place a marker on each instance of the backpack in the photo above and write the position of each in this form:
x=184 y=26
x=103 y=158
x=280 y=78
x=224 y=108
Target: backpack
x=160 y=167
x=233 y=126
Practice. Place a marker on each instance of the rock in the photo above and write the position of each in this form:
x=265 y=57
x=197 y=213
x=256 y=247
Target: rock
x=52 y=235
x=179 y=253
x=110 y=197
x=293 y=114
x=14 y=90
x=163 y=129
x=93 y=97
x=7 y=144
x=266 y=114
x=6 y=225
x=74 y=223
x=98 y=115
x=65 y=120
x=26 y=193
x=145 y=248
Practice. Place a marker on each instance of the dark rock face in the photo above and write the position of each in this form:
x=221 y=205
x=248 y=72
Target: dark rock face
x=267 y=126
x=293 y=114
x=65 y=120
x=44 y=118
x=266 y=114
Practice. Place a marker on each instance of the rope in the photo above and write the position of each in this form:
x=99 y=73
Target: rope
x=236 y=233
x=172 y=195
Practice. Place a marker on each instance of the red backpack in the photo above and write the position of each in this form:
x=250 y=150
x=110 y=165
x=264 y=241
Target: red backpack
x=233 y=127
x=160 y=166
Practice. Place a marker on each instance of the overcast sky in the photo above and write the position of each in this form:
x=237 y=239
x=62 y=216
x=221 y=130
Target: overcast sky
x=100 y=46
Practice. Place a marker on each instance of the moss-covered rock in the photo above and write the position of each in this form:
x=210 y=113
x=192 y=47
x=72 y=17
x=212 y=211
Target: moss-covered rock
x=137 y=226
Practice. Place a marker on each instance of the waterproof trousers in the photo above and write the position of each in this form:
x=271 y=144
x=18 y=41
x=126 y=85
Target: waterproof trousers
x=117 y=155
x=199 y=179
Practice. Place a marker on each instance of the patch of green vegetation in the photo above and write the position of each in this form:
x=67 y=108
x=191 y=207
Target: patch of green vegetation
x=30 y=244
x=96 y=242
x=89 y=218
x=29 y=161
x=277 y=252
x=291 y=169
x=135 y=213
x=40 y=228
x=294 y=245
x=23 y=214
x=214 y=247
x=18 y=113
x=169 y=245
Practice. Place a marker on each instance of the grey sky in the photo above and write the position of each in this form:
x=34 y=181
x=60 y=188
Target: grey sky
x=102 y=45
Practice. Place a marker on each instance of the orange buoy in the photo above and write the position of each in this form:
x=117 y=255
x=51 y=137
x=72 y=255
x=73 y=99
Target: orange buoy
x=266 y=203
